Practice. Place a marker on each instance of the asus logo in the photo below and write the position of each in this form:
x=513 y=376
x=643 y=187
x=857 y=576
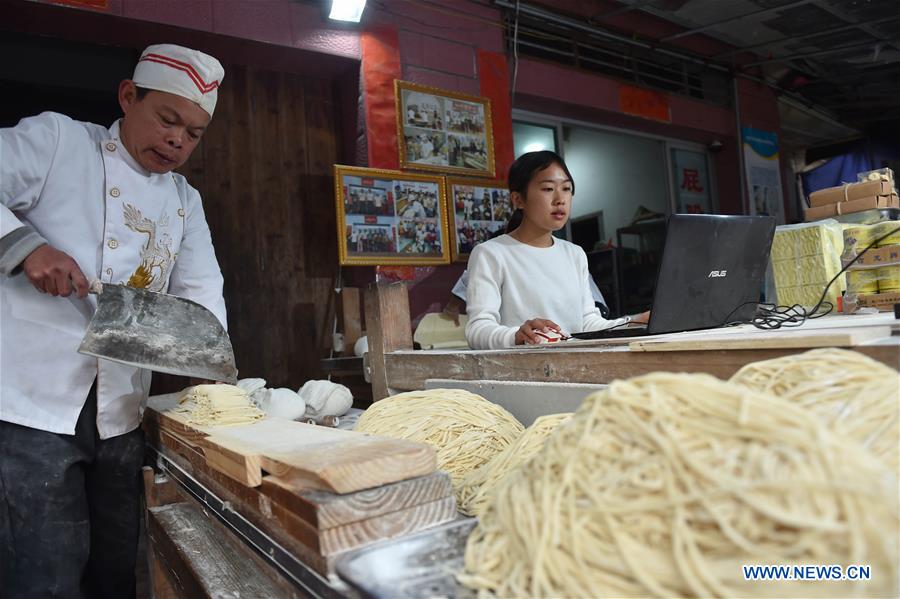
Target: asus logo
x=717 y=273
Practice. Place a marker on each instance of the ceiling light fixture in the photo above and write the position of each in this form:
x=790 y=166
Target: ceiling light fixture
x=347 y=10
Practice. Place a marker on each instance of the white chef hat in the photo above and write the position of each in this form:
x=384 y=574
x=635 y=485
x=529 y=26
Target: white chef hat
x=181 y=71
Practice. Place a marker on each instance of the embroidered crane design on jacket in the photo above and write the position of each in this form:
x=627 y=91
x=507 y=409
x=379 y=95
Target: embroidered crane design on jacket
x=156 y=255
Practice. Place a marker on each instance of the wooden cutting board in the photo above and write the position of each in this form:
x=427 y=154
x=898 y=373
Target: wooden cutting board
x=318 y=525
x=301 y=455
x=782 y=339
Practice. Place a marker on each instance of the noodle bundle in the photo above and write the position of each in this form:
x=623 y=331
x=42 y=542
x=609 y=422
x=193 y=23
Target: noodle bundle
x=465 y=429
x=667 y=484
x=218 y=405
x=479 y=485
x=852 y=394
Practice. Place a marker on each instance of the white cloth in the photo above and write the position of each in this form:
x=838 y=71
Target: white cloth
x=78 y=187
x=511 y=282
x=324 y=398
x=282 y=403
x=181 y=71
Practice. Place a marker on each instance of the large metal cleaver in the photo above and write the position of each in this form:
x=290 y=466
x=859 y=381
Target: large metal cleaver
x=159 y=332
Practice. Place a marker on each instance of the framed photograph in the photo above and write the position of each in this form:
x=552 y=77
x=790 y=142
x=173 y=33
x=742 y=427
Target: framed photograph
x=444 y=131
x=389 y=217
x=479 y=209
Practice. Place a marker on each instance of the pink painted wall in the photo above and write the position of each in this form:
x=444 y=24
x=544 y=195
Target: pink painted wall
x=438 y=43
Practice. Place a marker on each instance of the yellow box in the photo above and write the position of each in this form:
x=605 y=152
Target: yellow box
x=884 y=229
x=857 y=238
x=862 y=281
x=888 y=278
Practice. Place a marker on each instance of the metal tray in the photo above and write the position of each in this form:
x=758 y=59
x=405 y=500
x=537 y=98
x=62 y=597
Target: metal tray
x=869 y=217
x=420 y=565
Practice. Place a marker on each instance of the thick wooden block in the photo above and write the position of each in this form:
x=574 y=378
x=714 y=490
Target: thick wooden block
x=325 y=510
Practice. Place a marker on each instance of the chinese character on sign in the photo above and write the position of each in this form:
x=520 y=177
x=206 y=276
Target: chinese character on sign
x=690 y=180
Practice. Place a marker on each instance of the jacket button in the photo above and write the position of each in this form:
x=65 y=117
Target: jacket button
x=113 y=244
x=111 y=147
x=114 y=192
x=181 y=212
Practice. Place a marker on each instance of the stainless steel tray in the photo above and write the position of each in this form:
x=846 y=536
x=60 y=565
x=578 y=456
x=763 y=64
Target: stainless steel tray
x=869 y=217
x=420 y=565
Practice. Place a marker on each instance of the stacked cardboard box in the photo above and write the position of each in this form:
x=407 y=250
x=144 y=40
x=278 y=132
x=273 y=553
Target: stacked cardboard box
x=804 y=259
x=852 y=197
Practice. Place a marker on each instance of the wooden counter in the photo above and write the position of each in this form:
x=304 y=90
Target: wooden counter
x=393 y=366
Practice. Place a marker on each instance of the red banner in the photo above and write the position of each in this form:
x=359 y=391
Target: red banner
x=380 y=66
x=493 y=74
x=644 y=103
x=94 y=4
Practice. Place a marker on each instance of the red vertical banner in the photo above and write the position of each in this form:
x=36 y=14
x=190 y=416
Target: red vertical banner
x=380 y=47
x=493 y=74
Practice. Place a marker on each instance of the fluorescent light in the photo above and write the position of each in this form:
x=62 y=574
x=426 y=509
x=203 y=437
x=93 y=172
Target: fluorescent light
x=347 y=10
x=535 y=146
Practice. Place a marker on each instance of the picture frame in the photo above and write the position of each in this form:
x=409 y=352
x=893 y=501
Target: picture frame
x=444 y=131
x=390 y=217
x=478 y=209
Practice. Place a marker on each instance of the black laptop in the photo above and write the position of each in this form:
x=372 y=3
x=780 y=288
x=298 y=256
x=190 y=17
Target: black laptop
x=712 y=268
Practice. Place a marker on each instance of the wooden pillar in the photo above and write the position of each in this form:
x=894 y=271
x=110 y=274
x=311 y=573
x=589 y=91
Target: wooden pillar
x=352 y=318
x=158 y=491
x=388 y=327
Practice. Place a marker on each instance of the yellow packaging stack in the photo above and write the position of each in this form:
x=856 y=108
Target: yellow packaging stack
x=873 y=280
x=804 y=259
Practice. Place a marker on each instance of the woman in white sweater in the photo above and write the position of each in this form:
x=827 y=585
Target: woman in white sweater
x=527 y=281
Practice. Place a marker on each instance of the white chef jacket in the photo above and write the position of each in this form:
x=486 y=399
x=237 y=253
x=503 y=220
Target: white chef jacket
x=78 y=187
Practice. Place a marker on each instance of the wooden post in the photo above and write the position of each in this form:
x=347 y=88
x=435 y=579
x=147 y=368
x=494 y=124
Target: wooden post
x=388 y=327
x=157 y=491
x=352 y=318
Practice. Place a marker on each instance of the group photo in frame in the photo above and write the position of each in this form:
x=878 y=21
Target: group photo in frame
x=444 y=131
x=479 y=210
x=390 y=217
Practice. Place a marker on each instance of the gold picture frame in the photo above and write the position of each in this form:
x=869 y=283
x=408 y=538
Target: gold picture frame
x=478 y=209
x=444 y=131
x=390 y=217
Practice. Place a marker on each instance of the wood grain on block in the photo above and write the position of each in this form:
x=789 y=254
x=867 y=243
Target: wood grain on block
x=316 y=457
x=387 y=526
x=325 y=510
x=244 y=468
x=768 y=340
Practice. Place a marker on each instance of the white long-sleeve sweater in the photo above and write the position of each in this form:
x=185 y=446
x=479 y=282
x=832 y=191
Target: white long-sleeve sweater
x=511 y=282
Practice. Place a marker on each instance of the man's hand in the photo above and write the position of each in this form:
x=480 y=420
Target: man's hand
x=642 y=318
x=525 y=334
x=54 y=272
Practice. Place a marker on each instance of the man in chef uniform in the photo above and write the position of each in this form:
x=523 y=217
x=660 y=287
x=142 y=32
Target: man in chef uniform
x=80 y=202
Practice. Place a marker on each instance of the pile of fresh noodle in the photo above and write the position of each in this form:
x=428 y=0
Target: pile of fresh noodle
x=465 y=429
x=478 y=486
x=667 y=484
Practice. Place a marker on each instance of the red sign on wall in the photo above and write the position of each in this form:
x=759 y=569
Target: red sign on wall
x=94 y=4
x=644 y=103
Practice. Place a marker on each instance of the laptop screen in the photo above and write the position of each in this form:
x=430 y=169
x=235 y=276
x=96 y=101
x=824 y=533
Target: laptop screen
x=710 y=266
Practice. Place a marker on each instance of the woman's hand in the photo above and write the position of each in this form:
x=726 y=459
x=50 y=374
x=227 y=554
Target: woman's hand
x=642 y=318
x=525 y=334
